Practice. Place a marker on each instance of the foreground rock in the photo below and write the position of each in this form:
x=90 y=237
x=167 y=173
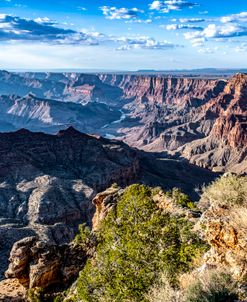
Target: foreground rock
x=39 y=264
x=104 y=202
x=223 y=225
x=12 y=291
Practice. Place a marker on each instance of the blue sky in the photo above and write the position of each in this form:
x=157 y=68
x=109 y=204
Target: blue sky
x=123 y=35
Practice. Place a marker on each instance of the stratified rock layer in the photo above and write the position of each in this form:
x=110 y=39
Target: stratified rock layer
x=47 y=183
x=203 y=120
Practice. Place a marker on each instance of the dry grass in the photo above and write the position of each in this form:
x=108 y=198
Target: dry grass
x=229 y=190
x=210 y=285
x=164 y=292
x=238 y=217
x=206 y=286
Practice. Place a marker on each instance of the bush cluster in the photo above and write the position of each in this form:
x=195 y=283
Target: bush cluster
x=137 y=241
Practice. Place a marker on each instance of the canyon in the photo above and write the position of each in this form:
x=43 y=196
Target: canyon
x=66 y=137
x=48 y=182
x=201 y=119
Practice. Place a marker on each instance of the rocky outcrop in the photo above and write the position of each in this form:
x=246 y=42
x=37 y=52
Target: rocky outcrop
x=40 y=264
x=169 y=91
x=12 y=291
x=223 y=225
x=48 y=182
x=104 y=202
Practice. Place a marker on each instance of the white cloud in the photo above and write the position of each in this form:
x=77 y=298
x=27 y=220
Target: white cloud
x=81 y=8
x=142 y=42
x=191 y=20
x=205 y=12
x=181 y=26
x=241 y=48
x=140 y=21
x=120 y=13
x=213 y=31
x=206 y=50
x=171 y=5
x=241 y=17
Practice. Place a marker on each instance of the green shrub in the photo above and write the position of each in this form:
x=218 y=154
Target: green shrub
x=35 y=294
x=85 y=236
x=58 y=298
x=136 y=242
x=179 y=198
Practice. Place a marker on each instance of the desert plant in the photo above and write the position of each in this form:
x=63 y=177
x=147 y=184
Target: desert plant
x=229 y=190
x=212 y=286
x=163 y=291
x=181 y=199
x=137 y=241
x=35 y=294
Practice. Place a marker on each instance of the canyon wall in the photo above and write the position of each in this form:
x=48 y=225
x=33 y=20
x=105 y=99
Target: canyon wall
x=203 y=120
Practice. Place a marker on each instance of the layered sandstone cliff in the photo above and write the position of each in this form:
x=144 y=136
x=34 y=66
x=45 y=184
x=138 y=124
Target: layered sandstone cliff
x=203 y=120
x=225 y=146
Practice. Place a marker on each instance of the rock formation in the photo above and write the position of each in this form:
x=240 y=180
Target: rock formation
x=50 y=116
x=224 y=148
x=223 y=225
x=40 y=264
x=104 y=202
x=203 y=120
x=48 y=182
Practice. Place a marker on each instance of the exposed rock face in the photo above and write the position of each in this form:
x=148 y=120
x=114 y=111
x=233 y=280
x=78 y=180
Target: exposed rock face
x=180 y=92
x=47 y=183
x=74 y=87
x=51 y=116
x=202 y=119
x=104 y=202
x=12 y=291
x=165 y=110
x=227 y=241
x=40 y=264
x=224 y=226
x=225 y=146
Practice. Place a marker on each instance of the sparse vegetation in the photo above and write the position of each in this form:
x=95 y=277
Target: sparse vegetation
x=212 y=286
x=229 y=190
x=145 y=253
x=208 y=286
x=179 y=198
x=35 y=295
x=85 y=238
x=163 y=291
